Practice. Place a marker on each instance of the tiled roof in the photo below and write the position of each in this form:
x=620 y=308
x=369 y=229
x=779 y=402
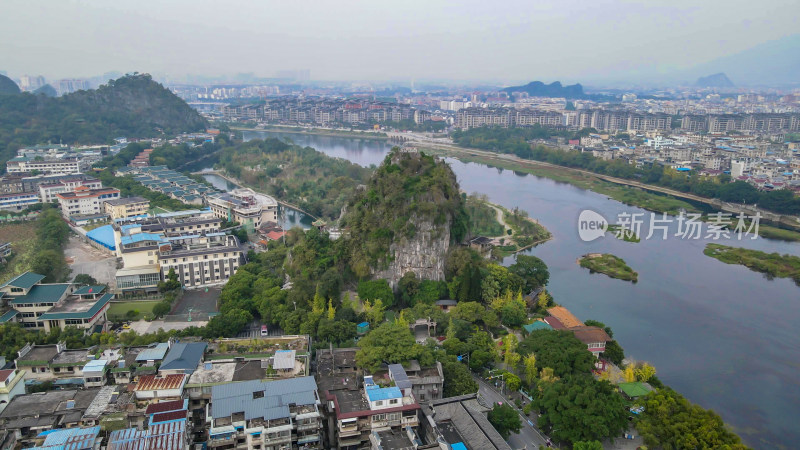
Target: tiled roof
x=156 y=382
x=589 y=335
x=8 y=315
x=160 y=407
x=86 y=290
x=25 y=280
x=168 y=416
x=565 y=316
x=538 y=325
x=43 y=293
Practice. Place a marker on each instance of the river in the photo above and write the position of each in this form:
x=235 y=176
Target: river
x=722 y=335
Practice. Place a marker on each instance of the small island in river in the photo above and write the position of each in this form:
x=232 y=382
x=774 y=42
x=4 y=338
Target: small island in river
x=610 y=265
x=771 y=264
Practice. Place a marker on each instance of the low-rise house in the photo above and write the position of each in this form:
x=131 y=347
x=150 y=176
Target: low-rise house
x=53 y=362
x=595 y=338
x=70 y=439
x=94 y=373
x=161 y=387
x=26 y=416
x=272 y=414
x=11 y=385
x=353 y=411
x=183 y=358
x=166 y=435
x=122 y=208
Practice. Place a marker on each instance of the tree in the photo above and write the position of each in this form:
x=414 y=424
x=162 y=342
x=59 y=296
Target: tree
x=51 y=264
x=376 y=290
x=598 y=324
x=530 y=369
x=374 y=312
x=543 y=300
x=512 y=381
x=335 y=331
x=331 y=310
x=614 y=352
x=388 y=343
x=532 y=270
x=645 y=372
x=171 y=283
x=505 y=420
x=457 y=379
x=629 y=374
x=669 y=421
x=559 y=350
x=84 y=279
x=580 y=408
x=587 y=445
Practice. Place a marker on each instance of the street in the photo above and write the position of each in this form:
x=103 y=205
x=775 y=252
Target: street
x=528 y=437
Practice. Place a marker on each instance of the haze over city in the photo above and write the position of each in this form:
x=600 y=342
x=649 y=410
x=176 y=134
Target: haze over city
x=589 y=42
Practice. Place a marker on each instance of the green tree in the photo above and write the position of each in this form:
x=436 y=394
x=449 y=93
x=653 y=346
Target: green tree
x=171 y=283
x=580 y=408
x=598 y=324
x=457 y=379
x=376 y=290
x=614 y=352
x=559 y=350
x=513 y=382
x=84 y=279
x=530 y=369
x=505 y=420
x=671 y=422
x=532 y=270
x=388 y=343
x=587 y=445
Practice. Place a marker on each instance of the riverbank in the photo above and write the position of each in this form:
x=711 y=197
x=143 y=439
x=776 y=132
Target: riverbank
x=623 y=233
x=610 y=265
x=318 y=131
x=773 y=265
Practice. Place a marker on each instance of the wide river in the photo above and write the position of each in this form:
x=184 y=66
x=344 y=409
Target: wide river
x=722 y=335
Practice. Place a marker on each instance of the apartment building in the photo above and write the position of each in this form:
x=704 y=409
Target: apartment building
x=479 y=117
x=84 y=201
x=460 y=422
x=355 y=409
x=11 y=385
x=48 y=165
x=203 y=261
x=18 y=201
x=122 y=208
x=50 y=187
x=245 y=207
x=265 y=415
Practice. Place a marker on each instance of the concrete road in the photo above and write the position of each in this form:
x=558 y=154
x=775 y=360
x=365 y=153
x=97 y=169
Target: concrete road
x=528 y=437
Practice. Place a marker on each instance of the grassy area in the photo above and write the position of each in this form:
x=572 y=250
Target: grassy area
x=158 y=210
x=23 y=242
x=92 y=226
x=118 y=311
x=625 y=194
x=623 y=233
x=770 y=264
x=526 y=231
x=782 y=234
x=483 y=218
x=610 y=265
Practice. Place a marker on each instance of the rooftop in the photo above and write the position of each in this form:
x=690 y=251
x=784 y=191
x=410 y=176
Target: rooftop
x=157 y=382
x=163 y=436
x=37 y=353
x=95 y=365
x=273 y=403
x=565 y=316
x=161 y=407
x=77 y=308
x=184 y=356
x=77 y=356
x=589 y=335
x=156 y=353
x=283 y=359
x=86 y=290
x=25 y=280
x=70 y=438
x=126 y=201
x=42 y=293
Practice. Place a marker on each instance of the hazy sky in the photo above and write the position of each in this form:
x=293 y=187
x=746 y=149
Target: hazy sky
x=569 y=40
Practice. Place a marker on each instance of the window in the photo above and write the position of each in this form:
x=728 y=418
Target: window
x=379 y=403
x=393 y=401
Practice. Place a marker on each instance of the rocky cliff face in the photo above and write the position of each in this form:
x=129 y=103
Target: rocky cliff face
x=405 y=219
x=424 y=254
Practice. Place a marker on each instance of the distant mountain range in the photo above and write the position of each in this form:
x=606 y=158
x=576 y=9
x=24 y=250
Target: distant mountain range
x=554 y=89
x=718 y=80
x=773 y=63
x=7 y=85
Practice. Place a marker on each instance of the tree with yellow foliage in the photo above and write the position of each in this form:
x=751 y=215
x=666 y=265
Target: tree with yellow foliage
x=542 y=300
x=331 y=310
x=629 y=374
x=645 y=372
x=530 y=368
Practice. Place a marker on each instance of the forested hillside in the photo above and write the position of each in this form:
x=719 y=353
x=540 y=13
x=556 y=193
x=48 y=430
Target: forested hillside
x=131 y=106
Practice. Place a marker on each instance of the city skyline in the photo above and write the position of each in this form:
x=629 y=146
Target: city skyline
x=657 y=43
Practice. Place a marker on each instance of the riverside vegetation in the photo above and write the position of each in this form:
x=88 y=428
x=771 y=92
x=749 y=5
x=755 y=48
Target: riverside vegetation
x=772 y=265
x=610 y=265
